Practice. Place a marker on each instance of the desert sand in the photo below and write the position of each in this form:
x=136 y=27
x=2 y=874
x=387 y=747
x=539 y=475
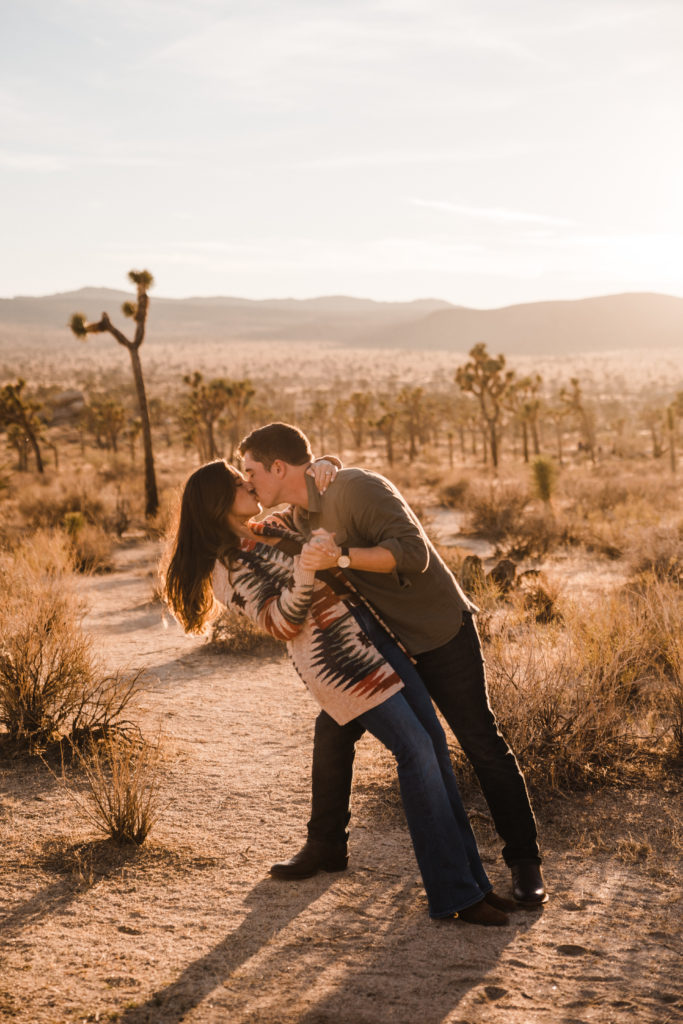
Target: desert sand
x=190 y=927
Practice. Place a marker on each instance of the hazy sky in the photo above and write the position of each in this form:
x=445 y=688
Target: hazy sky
x=482 y=151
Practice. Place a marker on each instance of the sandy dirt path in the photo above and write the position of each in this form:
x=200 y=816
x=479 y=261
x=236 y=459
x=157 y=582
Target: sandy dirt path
x=191 y=927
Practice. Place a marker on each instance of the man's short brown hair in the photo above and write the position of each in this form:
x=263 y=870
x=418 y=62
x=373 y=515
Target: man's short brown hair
x=277 y=441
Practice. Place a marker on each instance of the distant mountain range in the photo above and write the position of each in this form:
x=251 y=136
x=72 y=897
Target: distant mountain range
x=627 y=321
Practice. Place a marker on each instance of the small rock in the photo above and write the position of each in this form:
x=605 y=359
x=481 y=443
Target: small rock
x=570 y=950
x=503 y=574
x=495 y=992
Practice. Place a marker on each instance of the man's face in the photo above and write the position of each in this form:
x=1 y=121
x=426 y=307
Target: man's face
x=265 y=482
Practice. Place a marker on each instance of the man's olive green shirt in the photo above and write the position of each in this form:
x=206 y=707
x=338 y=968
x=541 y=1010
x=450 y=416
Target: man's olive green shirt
x=420 y=600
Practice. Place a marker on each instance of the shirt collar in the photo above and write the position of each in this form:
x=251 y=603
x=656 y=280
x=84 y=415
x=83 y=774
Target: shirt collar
x=314 y=497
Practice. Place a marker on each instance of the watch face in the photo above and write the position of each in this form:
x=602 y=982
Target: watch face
x=343 y=561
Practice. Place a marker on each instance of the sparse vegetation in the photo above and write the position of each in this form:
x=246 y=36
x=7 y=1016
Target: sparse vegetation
x=123 y=775
x=51 y=686
x=234 y=633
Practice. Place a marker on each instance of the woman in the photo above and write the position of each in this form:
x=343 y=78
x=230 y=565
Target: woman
x=346 y=659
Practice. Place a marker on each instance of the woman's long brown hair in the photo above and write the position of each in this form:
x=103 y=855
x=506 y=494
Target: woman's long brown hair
x=203 y=535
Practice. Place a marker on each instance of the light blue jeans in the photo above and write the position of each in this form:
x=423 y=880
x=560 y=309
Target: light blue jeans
x=444 y=844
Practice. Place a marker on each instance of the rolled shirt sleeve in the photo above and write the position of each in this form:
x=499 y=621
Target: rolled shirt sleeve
x=383 y=519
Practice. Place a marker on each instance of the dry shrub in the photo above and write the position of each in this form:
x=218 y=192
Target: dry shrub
x=607 y=487
x=657 y=552
x=50 y=683
x=582 y=702
x=234 y=633
x=123 y=780
x=49 y=504
x=532 y=535
x=454 y=493
x=498 y=512
x=91 y=545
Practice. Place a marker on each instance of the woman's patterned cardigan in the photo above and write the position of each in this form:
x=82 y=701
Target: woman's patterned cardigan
x=342 y=669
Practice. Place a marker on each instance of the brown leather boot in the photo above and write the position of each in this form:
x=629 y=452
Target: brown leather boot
x=500 y=903
x=483 y=913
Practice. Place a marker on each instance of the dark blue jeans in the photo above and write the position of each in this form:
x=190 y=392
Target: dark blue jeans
x=455 y=680
x=446 y=850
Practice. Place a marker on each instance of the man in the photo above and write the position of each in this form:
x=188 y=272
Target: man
x=374 y=537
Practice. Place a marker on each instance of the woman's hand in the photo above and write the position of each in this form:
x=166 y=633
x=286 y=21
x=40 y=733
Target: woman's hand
x=323 y=472
x=315 y=556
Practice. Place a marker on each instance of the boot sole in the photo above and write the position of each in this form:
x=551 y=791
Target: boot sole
x=294 y=876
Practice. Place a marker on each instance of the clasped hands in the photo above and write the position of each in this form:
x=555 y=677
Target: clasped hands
x=320 y=552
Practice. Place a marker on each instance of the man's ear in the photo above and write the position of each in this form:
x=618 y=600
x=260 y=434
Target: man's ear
x=278 y=468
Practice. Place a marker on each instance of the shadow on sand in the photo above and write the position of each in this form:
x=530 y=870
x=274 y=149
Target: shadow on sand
x=382 y=967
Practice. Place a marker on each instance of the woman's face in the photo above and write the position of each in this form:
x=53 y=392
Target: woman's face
x=246 y=503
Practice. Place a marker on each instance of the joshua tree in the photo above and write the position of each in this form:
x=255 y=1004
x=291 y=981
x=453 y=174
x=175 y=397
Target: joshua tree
x=360 y=404
x=672 y=411
x=557 y=411
x=19 y=417
x=338 y=422
x=524 y=402
x=106 y=417
x=410 y=401
x=574 y=403
x=386 y=425
x=319 y=418
x=485 y=377
x=138 y=312
x=240 y=394
x=203 y=407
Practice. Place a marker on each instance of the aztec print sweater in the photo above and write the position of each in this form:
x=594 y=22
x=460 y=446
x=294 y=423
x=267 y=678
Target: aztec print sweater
x=340 y=666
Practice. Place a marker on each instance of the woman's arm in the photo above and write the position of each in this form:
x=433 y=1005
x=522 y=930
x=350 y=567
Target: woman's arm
x=281 y=615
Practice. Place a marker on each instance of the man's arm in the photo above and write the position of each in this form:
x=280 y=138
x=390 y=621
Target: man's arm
x=375 y=511
x=374 y=559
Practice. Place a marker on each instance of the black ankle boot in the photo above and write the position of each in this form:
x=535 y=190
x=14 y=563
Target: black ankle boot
x=313 y=857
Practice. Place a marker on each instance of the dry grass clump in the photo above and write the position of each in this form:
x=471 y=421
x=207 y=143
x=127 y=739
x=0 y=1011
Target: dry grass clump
x=584 y=701
x=234 y=633
x=123 y=780
x=658 y=552
x=498 y=511
x=607 y=486
x=454 y=493
x=501 y=514
x=47 y=505
x=91 y=545
x=50 y=684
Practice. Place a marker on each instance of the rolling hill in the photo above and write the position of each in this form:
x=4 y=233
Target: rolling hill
x=612 y=322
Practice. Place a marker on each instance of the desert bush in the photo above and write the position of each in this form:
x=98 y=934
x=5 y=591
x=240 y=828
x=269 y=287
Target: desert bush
x=454 y=493
x=50 y=683
x=645 y=492
x=50 y=505
x=123 y=779
x=534 y=534
x=92 y=549
x=585 y=698
x=657 y=552
x=498 y=511
x=234 y=633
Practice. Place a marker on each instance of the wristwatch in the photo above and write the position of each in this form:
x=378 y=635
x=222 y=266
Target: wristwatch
x=344 y=561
